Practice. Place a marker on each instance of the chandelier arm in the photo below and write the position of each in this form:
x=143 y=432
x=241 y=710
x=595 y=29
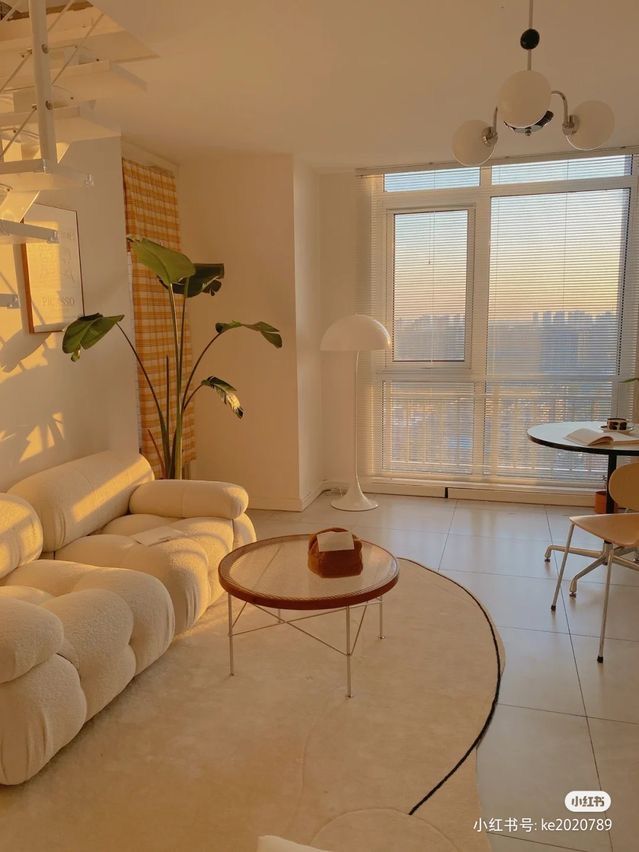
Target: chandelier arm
x=490 y=134
x=569 y=125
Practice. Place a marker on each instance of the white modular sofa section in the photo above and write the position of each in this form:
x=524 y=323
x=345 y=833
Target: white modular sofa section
x=91 y=507
x=71 y=638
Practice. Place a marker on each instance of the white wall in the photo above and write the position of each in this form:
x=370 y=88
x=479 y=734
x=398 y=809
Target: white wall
x=50 y=409
x=238 y=209
x=259 y=215
x=343 y=273
x=309 y=329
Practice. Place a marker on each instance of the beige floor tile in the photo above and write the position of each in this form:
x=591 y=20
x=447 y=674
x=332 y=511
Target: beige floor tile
x=418 y=513
x=616 y=747
x=504 y=843
x=540 y=672
x=423 y=547
x=515 y=601
x=611 y=689
x=432 y=514
x=528 y=761
x=500 y=521
x=276 y=527
x=496 y=556
x=584 y=611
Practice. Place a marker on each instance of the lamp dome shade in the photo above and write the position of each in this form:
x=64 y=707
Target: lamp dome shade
x=595 y=122
x=355 y=333
x=524 y=98
x=469 y=145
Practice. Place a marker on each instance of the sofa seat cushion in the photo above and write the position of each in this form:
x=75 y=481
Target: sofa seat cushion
x=40 y=713
x=181 y=565
x=25 y=593
x=216 y=537
x=29 y=635
x=146 y=597
x=98 y=625
x=132 y=524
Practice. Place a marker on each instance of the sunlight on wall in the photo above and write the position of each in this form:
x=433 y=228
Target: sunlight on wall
x=44 y=437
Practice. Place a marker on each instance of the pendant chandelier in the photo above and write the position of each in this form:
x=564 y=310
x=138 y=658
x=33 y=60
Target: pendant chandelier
x=523 y=106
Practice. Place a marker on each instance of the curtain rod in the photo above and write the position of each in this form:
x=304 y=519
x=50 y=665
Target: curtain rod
x=498 y=161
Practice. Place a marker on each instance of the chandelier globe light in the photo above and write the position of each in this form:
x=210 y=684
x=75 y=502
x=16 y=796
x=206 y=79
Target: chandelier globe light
x=523 y=104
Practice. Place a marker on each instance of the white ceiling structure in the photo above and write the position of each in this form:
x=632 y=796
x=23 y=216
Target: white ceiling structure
x=345 y=83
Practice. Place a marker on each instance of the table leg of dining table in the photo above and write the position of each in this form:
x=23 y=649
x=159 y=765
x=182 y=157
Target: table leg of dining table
x=612 y=466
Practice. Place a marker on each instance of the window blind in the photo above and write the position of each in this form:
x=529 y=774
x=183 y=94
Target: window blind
x=430 y=268
x=512 y=300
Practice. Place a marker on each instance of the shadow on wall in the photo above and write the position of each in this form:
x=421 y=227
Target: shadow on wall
x=25 y=432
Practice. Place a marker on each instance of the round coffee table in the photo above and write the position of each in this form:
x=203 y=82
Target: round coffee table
x=273 y=574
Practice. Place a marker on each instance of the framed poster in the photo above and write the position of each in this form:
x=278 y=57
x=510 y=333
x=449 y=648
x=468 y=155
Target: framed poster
x=52 y=272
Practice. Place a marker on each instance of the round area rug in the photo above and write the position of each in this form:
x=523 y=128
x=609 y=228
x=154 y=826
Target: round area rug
x=189 y=758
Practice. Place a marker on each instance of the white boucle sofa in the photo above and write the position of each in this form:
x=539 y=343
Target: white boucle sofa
x=91 y=507
x=71 y=638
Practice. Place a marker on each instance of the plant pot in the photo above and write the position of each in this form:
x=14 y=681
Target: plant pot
x=600 y=502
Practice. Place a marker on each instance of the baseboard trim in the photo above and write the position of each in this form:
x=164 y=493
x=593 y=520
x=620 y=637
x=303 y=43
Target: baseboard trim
x=494 y=492
x=287 y=504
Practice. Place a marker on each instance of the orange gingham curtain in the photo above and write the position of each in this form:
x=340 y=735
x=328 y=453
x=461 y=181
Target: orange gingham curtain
x=150 y=199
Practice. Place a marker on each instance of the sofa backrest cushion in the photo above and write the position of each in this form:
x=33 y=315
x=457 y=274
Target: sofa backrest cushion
x=20 y=533
x=81 y=496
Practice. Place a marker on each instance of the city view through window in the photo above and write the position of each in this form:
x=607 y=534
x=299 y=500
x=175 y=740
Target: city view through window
x=539 y=338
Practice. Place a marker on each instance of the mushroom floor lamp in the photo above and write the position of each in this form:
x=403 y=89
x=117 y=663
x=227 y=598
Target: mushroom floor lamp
x=355 y=333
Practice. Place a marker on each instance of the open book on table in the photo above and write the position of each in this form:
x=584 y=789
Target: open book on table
x=592 y=438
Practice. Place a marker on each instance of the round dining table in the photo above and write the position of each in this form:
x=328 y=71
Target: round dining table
x=554 y=435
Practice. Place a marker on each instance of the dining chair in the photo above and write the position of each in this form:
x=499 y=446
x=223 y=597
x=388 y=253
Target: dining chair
x=619 y=534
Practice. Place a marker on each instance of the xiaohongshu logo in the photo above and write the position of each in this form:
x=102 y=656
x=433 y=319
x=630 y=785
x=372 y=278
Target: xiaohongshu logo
x=587 y=801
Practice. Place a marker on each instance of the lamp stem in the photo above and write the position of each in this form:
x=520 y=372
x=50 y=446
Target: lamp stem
x=354 y=500
x=355 y=370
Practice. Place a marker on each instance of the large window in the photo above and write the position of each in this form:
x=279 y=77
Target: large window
x=512 y=300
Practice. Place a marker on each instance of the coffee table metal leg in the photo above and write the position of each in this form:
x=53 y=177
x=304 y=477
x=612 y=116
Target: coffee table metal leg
x=349 y=692
x=230 y=602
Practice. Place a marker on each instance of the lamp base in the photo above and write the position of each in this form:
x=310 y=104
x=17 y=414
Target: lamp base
x=354 y=500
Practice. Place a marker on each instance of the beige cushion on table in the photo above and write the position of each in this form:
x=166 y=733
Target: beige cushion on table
x=29 y=635
x=180 y=564
x=189 y=498
x=270 y=843
x=146 y=597
x=20 y=533
x=40 y=713
x=78 y=497
x=98 y=625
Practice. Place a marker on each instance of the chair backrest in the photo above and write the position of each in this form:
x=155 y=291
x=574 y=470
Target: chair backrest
x=624 y=486
x=81 y=496
x=20 y=533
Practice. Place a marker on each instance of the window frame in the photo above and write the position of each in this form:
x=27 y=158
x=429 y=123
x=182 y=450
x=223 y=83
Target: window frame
x=477 y=200
x=462 y=366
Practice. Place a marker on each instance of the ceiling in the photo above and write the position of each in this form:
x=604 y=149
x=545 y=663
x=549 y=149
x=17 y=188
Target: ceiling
x=345 y=83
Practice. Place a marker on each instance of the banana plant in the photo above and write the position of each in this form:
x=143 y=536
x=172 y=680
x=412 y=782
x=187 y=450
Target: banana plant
x=181 y=280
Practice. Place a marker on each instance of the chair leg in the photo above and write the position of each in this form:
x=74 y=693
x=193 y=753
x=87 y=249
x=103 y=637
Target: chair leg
x=553 y=605
x=604 y=615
